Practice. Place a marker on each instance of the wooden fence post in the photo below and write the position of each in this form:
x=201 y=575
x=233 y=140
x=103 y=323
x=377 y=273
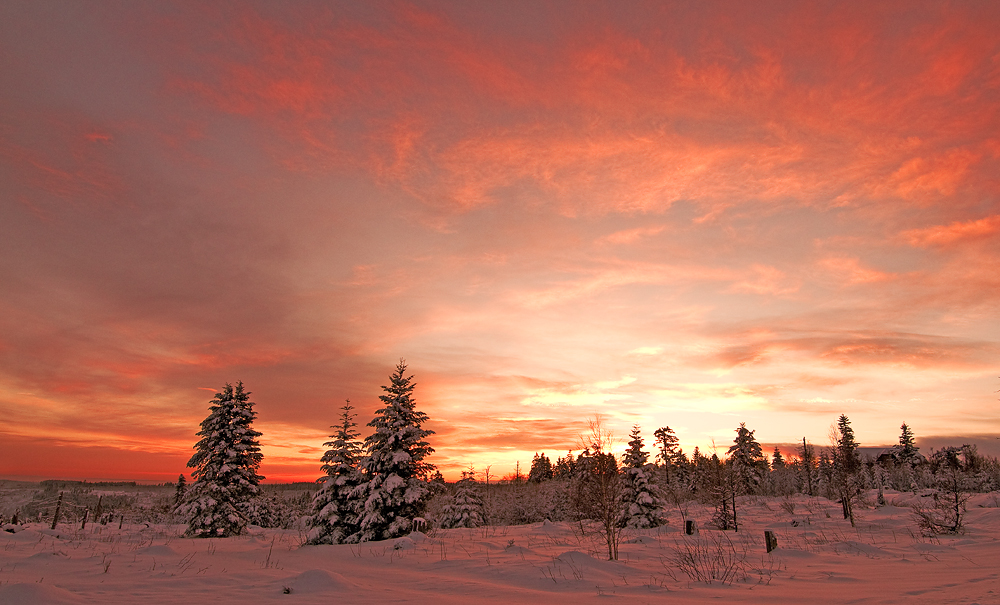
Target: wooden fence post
x=55 y=517
x=770 y=540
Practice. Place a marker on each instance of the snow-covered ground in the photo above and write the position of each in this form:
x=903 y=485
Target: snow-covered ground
x=820 y=559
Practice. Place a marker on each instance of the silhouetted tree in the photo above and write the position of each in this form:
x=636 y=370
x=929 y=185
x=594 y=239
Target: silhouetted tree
x=541 y=469
x=807 y=458
x=907 y=451
x=846 y=464
x=180 y=491
x=668 y=443
x=777 y=460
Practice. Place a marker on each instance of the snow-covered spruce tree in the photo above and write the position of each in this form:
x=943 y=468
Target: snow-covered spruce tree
x=226 y=463
x=747 y=460
x=466 y=508
x=334 y=512
x=641 y=502
x=393 y=491
x=847 y=467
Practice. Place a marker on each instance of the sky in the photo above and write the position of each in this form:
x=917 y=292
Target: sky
x=684 y=214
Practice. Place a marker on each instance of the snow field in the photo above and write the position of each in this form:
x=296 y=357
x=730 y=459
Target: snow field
x=820 y=559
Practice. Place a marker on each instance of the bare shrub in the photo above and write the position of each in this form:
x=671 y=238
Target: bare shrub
x=711 y=558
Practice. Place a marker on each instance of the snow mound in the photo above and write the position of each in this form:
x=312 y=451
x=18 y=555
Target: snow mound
x=55 y=554
x=160 y=550
x=315 y=580
x=33 y=593
x=404 y=543
x=794 y=553
x=417 y=536
x=579 y=559
x=519 y=550
x=641 y=540
x=861 y=548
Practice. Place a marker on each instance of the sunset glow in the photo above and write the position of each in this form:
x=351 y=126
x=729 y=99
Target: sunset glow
x=683 y=214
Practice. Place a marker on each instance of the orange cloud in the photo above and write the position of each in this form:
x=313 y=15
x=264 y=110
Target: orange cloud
x=851 y=271
x=954 y=233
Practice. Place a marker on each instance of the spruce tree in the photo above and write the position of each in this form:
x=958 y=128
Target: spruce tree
x=334 y=516
x=466 y=507
x=777 y=460
x=564 y=468
x=226 y=463
x=641 y=502
x=393 y=491
x=746 y=458
x=668 y=442
x=541 y=469
x=847 y=467
x=807 y=459
x=180 y=491
x=907 y=450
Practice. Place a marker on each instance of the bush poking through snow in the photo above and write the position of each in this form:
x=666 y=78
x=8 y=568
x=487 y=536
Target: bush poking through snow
x=711 y=558
x=954 y=481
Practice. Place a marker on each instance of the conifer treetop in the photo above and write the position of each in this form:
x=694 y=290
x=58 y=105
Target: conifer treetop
x=344 y=451
x=225 y=464
x=397 y=444
x=635 y=457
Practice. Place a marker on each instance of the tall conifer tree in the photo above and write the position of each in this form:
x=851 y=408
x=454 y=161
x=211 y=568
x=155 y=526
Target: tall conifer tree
x=394 y=490
x=226 y=463
x=335 y=513
x=641 y=502
x=747 y=459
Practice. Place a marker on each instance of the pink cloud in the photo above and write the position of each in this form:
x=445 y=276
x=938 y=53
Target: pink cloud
x=954 y=233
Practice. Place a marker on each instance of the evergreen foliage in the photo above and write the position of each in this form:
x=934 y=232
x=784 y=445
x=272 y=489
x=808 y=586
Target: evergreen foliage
x=181 y=490
x=777 y=460
x=847 y=467
x=466 y=508
x=807 y=460
x=564 y=468
x=747 y=459
x=846 y=453
x=541 y=469
x=642 y=505
x=226 y=463
x=635 y=457
x=393 y=491
x=437 y=484
x=907 y=451
x=668 y=443
x=334 y=512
